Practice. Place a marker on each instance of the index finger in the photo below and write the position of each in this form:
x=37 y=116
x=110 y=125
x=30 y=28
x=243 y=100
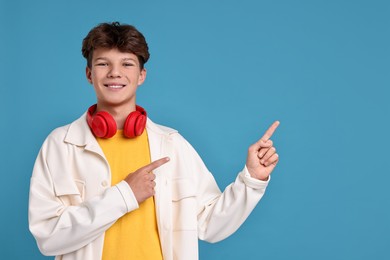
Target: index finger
x=270 y=131
x=154 y=165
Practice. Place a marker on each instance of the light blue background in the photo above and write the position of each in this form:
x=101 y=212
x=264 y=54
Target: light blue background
x=221 y=72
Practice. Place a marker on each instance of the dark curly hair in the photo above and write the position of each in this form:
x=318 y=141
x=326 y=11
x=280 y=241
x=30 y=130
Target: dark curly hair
x=115 y=35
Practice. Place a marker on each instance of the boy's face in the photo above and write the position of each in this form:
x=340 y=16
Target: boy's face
x=115 y=77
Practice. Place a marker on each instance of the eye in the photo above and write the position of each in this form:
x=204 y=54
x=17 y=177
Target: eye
x=102 y=64
x=128 y=64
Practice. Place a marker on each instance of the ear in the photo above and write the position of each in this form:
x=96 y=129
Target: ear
x=142 y=77
x=88 y=73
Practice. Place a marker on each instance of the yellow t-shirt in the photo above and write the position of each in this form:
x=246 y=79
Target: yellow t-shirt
x=135 y=235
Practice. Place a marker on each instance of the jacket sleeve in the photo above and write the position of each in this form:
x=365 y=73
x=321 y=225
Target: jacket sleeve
x=63 y=224
x=221 y=214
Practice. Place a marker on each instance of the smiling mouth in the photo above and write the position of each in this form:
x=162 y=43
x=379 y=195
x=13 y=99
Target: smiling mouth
x=114 y=86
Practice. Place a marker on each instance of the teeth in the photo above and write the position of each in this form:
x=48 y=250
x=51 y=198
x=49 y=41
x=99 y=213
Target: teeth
x=115 y=86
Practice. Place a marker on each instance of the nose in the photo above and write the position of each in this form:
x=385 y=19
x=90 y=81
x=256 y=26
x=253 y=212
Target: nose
x=114 y=72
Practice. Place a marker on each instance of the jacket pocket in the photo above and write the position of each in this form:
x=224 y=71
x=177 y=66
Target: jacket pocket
x=183 y=205
x=71 y=193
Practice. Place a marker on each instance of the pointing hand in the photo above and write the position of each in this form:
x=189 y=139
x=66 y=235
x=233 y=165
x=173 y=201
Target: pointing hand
x=262 y=157
x=142 y=181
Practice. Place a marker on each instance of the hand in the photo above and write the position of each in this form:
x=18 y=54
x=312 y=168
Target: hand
x=142 y=181
x=262 y=157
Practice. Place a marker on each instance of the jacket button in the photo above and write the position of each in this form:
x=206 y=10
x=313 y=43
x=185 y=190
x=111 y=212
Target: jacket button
x=104 y=183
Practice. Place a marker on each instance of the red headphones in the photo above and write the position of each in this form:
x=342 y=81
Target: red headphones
x=103 y=124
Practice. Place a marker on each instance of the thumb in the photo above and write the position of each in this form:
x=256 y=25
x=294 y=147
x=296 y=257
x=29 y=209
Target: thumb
x=262 y=144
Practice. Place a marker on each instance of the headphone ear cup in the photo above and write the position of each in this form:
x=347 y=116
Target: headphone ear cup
x=129 y=127
x=140 y=125
x=103 y=125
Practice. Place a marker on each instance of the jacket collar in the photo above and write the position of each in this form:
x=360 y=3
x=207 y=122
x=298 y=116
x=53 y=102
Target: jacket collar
x=79 y=134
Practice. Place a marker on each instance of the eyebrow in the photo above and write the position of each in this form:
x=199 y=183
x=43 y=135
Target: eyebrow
x=129 y=59
x=124 y=59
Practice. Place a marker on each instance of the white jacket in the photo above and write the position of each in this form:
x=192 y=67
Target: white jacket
x=72 y=202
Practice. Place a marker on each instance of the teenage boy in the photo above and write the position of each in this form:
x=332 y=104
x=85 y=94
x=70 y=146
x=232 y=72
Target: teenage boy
x=115 y=185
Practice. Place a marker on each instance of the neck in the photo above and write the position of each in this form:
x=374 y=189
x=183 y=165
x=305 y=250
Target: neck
x=119 y=113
